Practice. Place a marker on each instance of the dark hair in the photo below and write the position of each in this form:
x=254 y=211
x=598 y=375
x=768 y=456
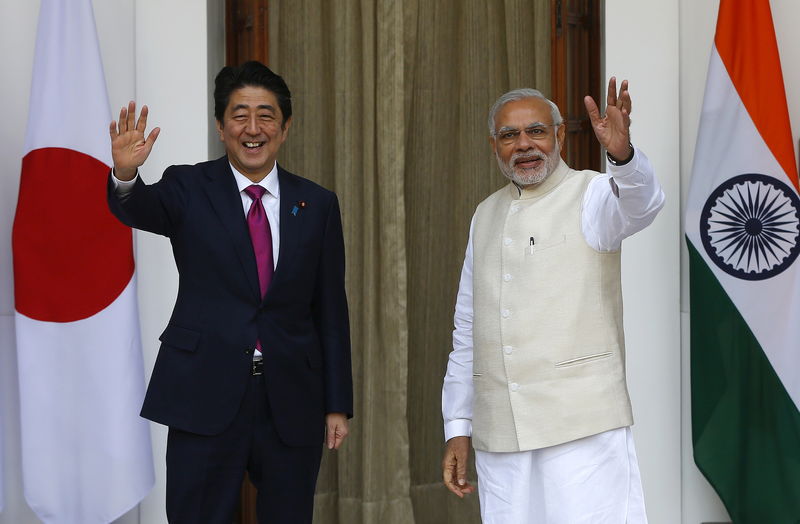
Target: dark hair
x=252 y=74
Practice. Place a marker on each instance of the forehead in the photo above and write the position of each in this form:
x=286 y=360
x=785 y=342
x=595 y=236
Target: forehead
x=521 y=113
x=252 y=97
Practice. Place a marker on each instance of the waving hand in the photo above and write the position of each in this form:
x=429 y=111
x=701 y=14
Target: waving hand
x=129 y=147
x=613 y=128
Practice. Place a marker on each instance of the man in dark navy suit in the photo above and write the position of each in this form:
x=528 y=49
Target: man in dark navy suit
x=254 y=367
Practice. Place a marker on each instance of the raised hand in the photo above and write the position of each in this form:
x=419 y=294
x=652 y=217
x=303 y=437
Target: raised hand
x=613 y=128
x=129 y=148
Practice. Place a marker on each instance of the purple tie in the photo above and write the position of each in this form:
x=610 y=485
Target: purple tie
x=260 y=236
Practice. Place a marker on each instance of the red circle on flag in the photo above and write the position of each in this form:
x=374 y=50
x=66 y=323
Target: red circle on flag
x=72 y=257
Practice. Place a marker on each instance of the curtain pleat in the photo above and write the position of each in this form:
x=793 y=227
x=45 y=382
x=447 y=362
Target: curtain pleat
x=390 y=103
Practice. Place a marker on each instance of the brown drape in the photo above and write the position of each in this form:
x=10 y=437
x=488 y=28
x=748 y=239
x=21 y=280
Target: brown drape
x=390 y=102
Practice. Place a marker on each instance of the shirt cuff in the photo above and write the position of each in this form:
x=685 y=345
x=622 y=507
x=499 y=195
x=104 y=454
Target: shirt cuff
x=627 y=170
x=460 y=427
x=621 y=162
x=122 y=187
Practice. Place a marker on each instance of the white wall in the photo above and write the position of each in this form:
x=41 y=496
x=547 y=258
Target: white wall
x=698 y=22
x=642 y=40
x=18 y=33
x=172 y=78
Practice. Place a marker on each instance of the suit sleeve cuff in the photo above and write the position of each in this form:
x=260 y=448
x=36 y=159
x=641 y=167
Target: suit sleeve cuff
x=460 y=427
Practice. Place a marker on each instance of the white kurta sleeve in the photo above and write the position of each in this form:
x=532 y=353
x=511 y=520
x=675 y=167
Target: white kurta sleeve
x=621 y=202
x=457 y=390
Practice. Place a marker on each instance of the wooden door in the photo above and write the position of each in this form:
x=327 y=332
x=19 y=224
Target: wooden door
x=246 y=31
x=575 y=52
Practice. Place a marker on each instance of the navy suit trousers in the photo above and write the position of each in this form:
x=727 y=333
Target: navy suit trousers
x=204 y=473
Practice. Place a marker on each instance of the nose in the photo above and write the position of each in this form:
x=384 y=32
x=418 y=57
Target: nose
x=524 y=142
x=252 y=126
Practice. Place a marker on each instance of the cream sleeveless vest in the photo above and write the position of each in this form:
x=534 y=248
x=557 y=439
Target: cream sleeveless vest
x=549 y=353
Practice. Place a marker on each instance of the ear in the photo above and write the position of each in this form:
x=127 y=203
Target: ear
x=493 y=143
x=286 y=126
x=561 y=133
x=220 y=131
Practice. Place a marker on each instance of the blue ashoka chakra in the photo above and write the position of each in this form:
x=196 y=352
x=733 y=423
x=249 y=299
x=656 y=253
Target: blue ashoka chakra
x=750 y=226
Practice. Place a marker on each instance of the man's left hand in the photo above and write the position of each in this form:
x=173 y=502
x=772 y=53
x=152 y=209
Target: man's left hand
x=613 y=128
x=336 y=429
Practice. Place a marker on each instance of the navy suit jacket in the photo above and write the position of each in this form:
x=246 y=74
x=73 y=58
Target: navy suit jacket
x=204 y=362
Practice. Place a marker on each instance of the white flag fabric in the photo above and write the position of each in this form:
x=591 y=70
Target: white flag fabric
x=86 y=453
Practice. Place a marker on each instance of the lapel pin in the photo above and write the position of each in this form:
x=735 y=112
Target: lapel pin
x=298 y=206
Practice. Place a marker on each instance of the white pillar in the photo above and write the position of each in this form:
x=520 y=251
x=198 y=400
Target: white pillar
x=172 y=78
x=642 y=45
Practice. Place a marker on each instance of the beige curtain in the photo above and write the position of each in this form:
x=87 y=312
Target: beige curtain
x=390 y=103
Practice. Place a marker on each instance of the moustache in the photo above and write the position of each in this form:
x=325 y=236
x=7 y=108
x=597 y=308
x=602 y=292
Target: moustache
x=527 y=157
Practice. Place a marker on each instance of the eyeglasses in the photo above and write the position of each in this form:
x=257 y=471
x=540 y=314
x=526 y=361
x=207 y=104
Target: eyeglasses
x=537 y=131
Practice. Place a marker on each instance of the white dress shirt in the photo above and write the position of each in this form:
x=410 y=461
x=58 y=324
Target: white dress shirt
x=271 y=201
x=615 y=206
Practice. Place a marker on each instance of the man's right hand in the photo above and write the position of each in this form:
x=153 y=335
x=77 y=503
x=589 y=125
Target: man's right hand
x=129 y=148
x=454 y=466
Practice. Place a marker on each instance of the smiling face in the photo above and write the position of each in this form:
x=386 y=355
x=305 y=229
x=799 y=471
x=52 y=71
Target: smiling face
x=533 y=153
x=253 y=131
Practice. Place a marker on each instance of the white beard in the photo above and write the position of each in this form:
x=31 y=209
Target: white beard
x=533 y=176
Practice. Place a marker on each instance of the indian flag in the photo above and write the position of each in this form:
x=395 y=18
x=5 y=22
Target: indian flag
x=86 y=453
x=743 y=231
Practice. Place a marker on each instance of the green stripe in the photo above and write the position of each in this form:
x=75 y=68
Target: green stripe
x=745 y=427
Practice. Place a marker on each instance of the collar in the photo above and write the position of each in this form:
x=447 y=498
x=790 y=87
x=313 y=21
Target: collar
x=269 y=182
x=542 y=188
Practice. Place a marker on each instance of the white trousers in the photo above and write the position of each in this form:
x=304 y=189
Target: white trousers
x=593 y=480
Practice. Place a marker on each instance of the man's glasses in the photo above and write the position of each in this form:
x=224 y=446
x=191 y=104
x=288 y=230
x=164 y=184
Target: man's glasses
x=538 y=131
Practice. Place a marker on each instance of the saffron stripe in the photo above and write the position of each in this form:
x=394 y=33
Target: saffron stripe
x=754 y=67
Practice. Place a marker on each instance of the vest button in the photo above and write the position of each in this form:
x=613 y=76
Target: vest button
x=506 y=313
x=507 y=241
x=507 y=277
x=507 y=350
x=514 y=386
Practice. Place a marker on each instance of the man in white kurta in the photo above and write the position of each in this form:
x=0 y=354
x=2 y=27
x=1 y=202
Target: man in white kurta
x=536 y=379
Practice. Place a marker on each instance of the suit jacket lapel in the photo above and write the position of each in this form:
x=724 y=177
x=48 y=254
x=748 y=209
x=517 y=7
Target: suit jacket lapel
x=291 y=221
x=224 y=195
